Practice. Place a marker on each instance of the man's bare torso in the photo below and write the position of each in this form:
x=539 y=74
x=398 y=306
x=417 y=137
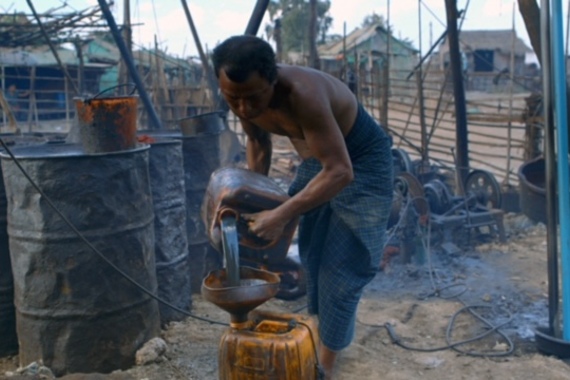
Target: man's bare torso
x=298 y=87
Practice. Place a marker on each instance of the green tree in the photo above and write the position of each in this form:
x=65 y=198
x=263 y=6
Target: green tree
x=294 y=16
x=373 y=19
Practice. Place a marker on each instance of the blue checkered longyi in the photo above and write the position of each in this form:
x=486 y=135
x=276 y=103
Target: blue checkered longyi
x=341 y=241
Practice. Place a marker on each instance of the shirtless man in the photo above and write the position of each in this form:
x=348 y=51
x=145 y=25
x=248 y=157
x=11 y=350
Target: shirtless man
x=342 y=189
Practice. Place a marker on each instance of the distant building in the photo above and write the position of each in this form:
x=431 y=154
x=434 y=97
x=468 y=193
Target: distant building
x=366 y=48
x=35 y=69
x=486 y=57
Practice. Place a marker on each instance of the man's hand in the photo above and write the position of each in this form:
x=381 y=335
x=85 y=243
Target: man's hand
x=268 y=225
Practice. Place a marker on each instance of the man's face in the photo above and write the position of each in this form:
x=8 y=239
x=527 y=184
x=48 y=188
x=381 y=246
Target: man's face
x=248 y=99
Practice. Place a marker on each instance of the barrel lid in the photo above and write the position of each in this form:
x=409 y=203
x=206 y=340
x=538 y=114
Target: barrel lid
x=154 y=140
x=210 y=123
x=175 y=134
x=64 y=150
x=16 y=139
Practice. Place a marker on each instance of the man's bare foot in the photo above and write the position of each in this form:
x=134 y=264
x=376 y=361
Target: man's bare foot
x=327 y=359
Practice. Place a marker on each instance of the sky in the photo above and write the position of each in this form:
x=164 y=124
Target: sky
x=216 y=20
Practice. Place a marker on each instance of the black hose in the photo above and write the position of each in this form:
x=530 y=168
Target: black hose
x=438 y=292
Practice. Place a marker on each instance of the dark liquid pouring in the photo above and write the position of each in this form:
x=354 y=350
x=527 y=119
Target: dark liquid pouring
x=231 y=250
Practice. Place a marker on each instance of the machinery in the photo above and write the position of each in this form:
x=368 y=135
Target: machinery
x=423 y=195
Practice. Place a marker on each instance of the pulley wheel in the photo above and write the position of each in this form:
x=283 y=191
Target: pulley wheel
x=438 y=195
x=483 y=185
x=402 y=160
x=412 y=189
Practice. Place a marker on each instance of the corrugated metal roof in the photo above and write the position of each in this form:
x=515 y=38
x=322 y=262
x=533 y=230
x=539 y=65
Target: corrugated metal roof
x=356 y=38
x=471 y=40
x=39 y=56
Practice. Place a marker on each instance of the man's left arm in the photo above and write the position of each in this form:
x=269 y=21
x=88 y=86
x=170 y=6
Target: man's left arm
x=326 y=143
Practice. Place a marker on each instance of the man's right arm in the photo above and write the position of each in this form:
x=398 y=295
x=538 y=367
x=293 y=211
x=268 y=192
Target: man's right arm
x=258 y=148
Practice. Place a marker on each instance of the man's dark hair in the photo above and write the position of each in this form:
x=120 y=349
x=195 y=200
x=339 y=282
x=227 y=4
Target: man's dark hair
x=239 y=56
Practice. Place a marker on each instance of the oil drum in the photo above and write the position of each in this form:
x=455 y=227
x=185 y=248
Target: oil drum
x=74 y=310
x=207 y=145
x=171 y=242
x=9 y=338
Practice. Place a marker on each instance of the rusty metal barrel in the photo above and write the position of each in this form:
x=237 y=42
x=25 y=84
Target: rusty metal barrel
x=8 y=336
x=532 y=189
x=107 y=124
x=73 y=310
x=171 y=242
x=207 y=144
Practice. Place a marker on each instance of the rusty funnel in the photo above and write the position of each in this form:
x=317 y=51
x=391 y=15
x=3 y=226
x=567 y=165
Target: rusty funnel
x=256 y=287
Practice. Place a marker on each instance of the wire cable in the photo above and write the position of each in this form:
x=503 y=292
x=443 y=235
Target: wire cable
x=438 y=292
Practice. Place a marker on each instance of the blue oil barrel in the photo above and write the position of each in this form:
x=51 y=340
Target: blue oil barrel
x=73 y=310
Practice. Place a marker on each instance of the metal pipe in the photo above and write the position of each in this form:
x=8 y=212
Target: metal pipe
x=256 y=17
x=155 y=121
x=51 y=47
x=561 y=122
x=427 y=55
x=550 y=175
x=218 y=103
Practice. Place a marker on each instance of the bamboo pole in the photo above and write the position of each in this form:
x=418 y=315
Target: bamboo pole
x=386 y=72
x=32 y=103
x=127 y=35
x=419 y=82
x=4 y=114
x=66 y=88
x=8 y=112
x=51 y=47
x=511 y=90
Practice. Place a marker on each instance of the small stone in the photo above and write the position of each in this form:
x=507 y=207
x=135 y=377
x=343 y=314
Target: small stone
x=151 y=351
x=502 y=347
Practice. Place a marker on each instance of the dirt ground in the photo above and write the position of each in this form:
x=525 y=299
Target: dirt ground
x=505 y=283
x=419 y=301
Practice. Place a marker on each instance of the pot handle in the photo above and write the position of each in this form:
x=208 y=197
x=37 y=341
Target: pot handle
x=115 y=87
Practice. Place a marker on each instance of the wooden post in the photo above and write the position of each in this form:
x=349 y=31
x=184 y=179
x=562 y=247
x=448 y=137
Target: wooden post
x=511 y=89
x=81 y=68
x=32 y=105
x=313 y=53
x=343 y=70
x=8 y=112
x=217 y=101
x=386 y=72
x=127 y=34
x=461 y=139
x=278 y=41
x=157 y=83
x=4 y=114
x=66 y=89
x=423 y=126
